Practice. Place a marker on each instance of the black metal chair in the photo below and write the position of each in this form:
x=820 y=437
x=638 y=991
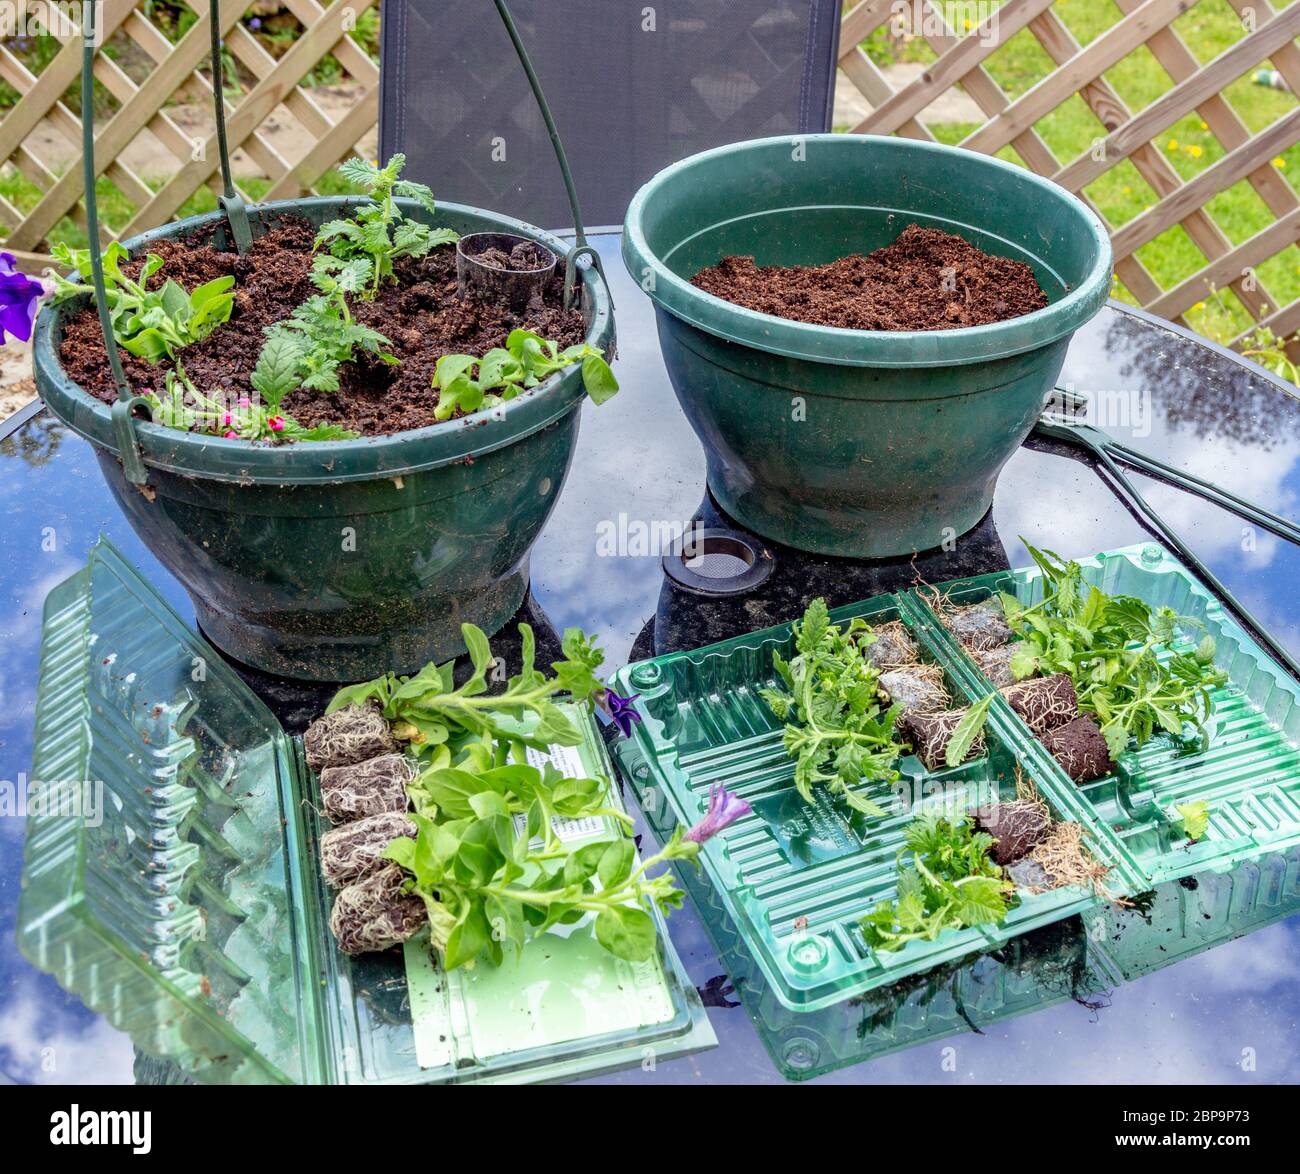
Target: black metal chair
x=634 y=86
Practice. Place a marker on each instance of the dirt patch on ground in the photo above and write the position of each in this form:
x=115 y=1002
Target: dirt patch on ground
x=925 y=280
x=420 y=314
x=17 y=387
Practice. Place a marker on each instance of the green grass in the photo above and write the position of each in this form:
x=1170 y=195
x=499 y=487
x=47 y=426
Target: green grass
x=1120 y=194
x=115 y=209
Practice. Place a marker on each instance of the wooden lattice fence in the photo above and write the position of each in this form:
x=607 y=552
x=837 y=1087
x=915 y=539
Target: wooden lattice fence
x=179 y=71
x=1124 y=134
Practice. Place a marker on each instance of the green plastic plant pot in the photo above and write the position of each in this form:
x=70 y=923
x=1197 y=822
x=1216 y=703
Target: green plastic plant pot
x=866 y=444
x=341 y=560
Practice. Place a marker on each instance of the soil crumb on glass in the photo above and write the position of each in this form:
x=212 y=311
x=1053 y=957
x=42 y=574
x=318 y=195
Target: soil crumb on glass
x=420 y=314
x=926 y=280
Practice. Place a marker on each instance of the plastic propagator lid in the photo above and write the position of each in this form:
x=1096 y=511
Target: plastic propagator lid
x=160 y=883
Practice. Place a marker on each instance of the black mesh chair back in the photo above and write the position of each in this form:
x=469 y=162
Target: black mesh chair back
x=634 y=86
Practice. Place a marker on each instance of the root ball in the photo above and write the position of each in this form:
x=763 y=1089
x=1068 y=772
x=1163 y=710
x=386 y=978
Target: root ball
x=1015 y=826
x=1044 y=702
x=365 y=788
x=375 y=914
x=918 y=688
x=356 y=850
x=346 y=736
x=930 y=733
x=1080 y=748
x=893 y=646
x=978 y=626
x=995 y=663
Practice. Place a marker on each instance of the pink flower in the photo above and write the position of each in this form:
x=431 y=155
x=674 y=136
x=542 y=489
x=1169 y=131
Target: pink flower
x=227 y=419
x=724 y=809
x=232 y=435
x=276 y=423
x=245 y=402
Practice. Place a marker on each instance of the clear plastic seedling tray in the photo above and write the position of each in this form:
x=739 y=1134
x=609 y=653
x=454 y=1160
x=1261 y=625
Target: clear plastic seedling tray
x=1250 y=774
x=794 y=879
x=170 y=881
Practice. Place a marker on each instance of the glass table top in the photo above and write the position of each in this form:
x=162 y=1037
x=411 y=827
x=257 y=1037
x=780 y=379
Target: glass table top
x=1231 y=1013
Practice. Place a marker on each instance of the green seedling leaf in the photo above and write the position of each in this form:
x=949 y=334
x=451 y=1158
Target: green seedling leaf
x=1195 y=818
x=598 y=379
x=968 y=729
x=627 y=933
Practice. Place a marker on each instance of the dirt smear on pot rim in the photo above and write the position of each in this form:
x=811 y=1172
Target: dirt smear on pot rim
x=926 y=280
x=420 y=314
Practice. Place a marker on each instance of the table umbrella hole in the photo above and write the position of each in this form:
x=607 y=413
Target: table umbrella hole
x=716 y=561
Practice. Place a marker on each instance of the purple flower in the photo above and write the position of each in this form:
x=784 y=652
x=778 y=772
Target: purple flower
x=255 y=23
x=19 y=296
x=622 y=711
x=724 y=809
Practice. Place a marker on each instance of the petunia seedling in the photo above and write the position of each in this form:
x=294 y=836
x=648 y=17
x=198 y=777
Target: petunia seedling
x=152 y=324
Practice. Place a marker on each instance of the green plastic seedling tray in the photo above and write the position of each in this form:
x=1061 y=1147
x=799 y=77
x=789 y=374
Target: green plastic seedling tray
x=183 y=901
x=1037 y=970
x=1250 y=774
x=1182 y=918
x=794 y=880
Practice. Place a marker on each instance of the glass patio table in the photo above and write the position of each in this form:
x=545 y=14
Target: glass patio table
x=1231 y=1013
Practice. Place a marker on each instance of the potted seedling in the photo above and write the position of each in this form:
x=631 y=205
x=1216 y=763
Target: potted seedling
x=333 y=449
x=861 y=330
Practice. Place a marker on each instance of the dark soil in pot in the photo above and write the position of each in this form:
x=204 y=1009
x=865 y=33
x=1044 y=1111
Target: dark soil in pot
x=926 y=280
x=420 y=314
